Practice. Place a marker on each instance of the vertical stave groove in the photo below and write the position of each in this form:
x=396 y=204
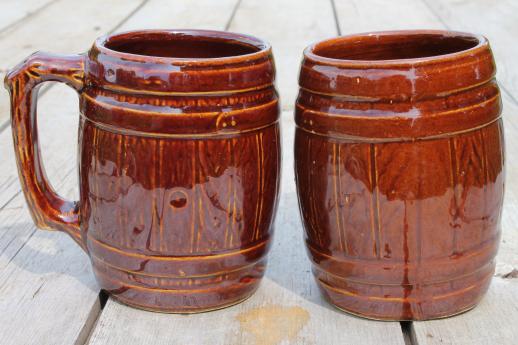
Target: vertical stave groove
x=152 y=184
x=343 y=229
x=193 y=196
x=163 y=201
x=336 y=176
x=259 y=165
x=96 y=149
x=124 y=215
x=261 y=192
x=486 y=180
x=232 y=227
x=375 y=207
x=311 y=211
x=201 y=166
x=454 y=183
x=118 y=186
x=230 y=187
x=502 y=143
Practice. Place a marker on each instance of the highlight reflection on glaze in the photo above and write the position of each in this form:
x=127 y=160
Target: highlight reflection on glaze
x=399 y=170
x=179 y=159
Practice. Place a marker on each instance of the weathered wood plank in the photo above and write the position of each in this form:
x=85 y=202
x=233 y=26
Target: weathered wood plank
x=377 y=15
x=493 y=321
x=182 y=14
x=289 y=26
x=69 y=27
x=287 y=308
x=15 y=12
x=497 y=20
x=47 y=291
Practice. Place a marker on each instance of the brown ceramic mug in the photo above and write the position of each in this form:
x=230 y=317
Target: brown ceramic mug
x=399 y=169
x=179 y=160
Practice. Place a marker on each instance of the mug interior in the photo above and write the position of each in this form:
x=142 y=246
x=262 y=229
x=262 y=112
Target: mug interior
x=180 y=45
x=394 y=46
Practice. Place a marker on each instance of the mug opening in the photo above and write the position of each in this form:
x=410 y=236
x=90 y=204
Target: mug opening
x=192 y=45
x=395 y=46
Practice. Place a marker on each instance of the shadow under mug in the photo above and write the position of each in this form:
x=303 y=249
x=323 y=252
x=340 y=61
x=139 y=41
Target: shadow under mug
x=179 y=161
x=399 y=169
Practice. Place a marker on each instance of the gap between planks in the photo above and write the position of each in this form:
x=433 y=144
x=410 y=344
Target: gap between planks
x=232 y=15
x=92 y=319
x=407 y=327
x=335 y=16
x=6 y=122
x=448 y=27
x=27 y=16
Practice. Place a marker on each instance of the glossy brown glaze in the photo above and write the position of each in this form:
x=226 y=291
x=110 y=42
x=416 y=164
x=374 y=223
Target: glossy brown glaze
x=399 y=169
x=179 y=161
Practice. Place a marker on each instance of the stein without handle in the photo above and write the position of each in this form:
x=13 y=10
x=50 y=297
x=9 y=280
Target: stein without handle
x=179 y=163
x=399 y=158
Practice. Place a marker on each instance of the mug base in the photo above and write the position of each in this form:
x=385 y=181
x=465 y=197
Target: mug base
x=182 y=295
x=156 y=309
x=375 y=318
x=422 y=310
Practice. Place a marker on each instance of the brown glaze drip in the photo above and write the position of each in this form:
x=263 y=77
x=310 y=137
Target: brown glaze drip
x=179 y=161
x=399 y=170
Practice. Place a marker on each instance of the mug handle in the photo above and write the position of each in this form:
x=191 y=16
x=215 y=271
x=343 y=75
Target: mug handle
x=48 y=210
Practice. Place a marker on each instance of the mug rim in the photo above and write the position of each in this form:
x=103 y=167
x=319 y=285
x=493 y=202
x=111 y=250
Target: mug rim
x=263 y=47
x=309 y=51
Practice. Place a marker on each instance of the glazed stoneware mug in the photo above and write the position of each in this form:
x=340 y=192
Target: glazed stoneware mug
x=399 y=169
x=179 y=162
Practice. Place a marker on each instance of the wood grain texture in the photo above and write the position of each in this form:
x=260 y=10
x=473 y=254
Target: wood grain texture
x=47 y=290
x=289 y=26
x=287 y=308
